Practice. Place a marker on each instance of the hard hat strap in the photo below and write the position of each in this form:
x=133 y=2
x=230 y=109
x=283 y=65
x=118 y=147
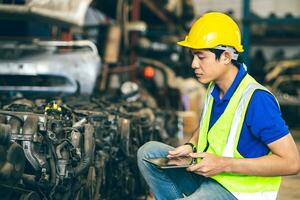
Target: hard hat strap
x=233 y=53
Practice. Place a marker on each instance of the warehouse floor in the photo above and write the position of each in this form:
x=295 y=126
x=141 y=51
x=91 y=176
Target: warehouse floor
x=290 y=186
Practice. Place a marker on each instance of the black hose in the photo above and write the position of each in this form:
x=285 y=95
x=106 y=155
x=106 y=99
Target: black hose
x=52 y=159
x=52 y=165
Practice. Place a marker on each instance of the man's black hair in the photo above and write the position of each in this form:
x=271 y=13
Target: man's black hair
x=218 y=53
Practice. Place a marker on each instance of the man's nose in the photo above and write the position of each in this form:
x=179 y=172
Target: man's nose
x=195 y=64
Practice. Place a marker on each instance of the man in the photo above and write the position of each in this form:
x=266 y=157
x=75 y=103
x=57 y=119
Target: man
x=243 y=145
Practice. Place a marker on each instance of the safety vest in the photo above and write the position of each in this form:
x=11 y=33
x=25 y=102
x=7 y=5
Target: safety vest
x=222 y=140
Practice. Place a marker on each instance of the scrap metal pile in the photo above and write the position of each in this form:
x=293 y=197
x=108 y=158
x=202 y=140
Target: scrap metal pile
x=77 y=149
x=283 y=78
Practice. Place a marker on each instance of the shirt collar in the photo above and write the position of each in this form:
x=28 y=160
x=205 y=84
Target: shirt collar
x=238 y=78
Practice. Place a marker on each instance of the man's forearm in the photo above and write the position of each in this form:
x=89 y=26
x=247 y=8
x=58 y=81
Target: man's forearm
x=284 y=160
x=269 y=165
x=194 y=138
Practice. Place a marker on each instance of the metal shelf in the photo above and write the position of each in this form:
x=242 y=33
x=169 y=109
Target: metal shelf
x=248 y=20
x=271 y=20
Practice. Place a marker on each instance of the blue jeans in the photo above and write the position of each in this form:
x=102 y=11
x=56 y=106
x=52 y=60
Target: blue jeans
x=171 y=184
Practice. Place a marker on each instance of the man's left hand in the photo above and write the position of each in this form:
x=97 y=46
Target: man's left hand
x=210 y=164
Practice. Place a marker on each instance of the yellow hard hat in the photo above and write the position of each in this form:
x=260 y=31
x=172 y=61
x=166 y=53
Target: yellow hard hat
x=211 y=30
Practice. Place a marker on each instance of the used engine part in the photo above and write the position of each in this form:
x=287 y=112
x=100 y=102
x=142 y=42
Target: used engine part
x=78 y=149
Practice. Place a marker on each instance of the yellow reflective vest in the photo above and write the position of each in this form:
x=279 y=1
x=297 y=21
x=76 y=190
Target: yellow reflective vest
x=222 y=140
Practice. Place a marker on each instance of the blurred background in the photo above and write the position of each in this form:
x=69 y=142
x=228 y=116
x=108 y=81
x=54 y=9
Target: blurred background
x=97 y=63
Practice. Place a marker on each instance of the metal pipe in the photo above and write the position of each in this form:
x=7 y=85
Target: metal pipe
x=246 y=31
x=89 y=147
x=5 y=133
x=30 y=128
x=15 y=125
x=59 y=148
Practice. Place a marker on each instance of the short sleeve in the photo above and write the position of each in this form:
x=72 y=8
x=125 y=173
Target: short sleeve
x=264 y=118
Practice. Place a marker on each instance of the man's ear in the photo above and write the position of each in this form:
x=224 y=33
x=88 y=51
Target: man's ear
x=226 y=57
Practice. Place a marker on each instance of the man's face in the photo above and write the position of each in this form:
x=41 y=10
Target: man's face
x=206 y=67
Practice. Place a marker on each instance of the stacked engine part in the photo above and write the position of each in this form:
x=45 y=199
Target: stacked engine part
x=77 y=149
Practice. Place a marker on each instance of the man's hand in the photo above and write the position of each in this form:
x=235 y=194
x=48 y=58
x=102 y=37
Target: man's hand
x=210 y=164
x=183 y=150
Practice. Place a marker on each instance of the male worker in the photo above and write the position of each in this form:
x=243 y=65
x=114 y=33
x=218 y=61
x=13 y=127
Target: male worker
x=243 y=145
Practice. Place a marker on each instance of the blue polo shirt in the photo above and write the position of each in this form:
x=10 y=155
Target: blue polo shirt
x=263 y=123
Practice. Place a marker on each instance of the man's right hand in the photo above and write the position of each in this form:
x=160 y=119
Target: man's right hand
x=183 y=150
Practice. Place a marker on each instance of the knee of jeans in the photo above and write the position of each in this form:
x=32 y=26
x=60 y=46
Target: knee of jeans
x=146 y=149
x=152 y=149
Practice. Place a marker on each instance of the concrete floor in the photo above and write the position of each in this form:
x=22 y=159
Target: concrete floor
x=290 y=186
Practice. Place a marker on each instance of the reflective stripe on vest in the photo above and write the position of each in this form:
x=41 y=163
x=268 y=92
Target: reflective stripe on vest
x=229 y=148
x=208 y=97
x=222 y=140
x=256 y=196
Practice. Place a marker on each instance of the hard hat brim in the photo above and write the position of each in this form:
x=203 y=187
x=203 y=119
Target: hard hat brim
x=185 y=44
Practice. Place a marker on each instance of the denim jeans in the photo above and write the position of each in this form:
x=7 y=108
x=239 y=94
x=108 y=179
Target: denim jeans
x=171 y=184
